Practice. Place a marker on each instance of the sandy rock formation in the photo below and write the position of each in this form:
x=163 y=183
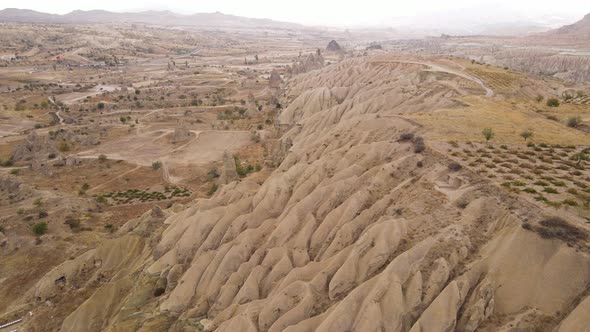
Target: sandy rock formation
x=12 y=190
x=252 y=108
x=353 y=231
x=334 y=47
x=306 y=63
x=228 y=170
x=181 y=133
x=34 y=147
x=275 y=80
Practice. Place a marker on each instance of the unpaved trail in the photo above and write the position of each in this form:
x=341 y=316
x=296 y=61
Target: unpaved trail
x=440 y=68
x=57 y=113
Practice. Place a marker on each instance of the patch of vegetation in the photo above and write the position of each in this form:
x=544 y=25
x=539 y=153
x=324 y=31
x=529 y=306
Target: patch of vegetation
x=156 y=165
x=136 y=195
x=488 y=134
x=419 y=145
x=40 y=228
x=552 y=102
x=212 y=189
x=526 y=134
x=573 y=122
x=556 y=227
x=550 y=190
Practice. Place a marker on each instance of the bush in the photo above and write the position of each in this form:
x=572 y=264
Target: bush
x=550 y=190
x=212 y=174
x=102 y=158
x=574 y=121
x=539 y=98
x=156 y=165
x=406 y=137
x=455 y=167
x=526 y=134
x=488 y=133
x=43 y=214
x=40 y=228
x=14 y=171
x=213 y=189
x=552 y=102
x=73 y=222
x=570 y=202
x=419 y=145
x=100 y=105
x=64 y=147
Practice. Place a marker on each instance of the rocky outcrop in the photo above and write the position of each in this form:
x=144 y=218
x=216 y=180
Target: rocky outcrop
x=306 y=63
x=34 y=147
x=181 y=134
x=275 y=80
x=334 y=47
x=12 y=190
x=353 y=231
x=228 y=169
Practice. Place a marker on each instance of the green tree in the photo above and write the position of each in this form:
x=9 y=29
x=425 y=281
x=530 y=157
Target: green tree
x=552 y=102
x=40 y=228
x=526 y=134
x=488 y=134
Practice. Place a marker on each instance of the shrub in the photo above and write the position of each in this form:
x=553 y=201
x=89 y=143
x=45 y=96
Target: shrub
x=539 y=98
x=574 y=121
x=552 y=102
x=212 y=174
x=73 y=222
x=488 y=133
x=526 y=134
x=40 y=228
x=156 y=165
x=102 y=158
x=550 y=190
x=64 y=147
x=555 y=227
x=419 y=145
x=100 y=105
x=43 y=214
x=406 y=137
x=213 y=189
x=454 y=167
x=570 y=202
x=14 y=171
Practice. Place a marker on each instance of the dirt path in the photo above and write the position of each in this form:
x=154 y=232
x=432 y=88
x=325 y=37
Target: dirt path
x=57 y=113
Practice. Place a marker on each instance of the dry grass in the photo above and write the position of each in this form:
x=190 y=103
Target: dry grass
x=507 y=119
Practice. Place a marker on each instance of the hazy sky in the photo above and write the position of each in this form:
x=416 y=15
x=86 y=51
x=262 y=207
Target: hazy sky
x=328 y=12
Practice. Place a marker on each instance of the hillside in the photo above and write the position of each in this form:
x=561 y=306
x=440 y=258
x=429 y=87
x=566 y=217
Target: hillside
x=147 y=17
x=361 y=216
x=578 y=30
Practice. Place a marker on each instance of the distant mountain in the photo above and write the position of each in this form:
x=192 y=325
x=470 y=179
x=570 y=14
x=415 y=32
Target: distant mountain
x=578 y=30
x=148 y=17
